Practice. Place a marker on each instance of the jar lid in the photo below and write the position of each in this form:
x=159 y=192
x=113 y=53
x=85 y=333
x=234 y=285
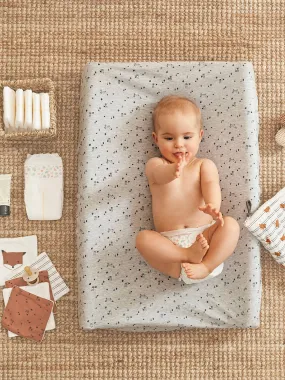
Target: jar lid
x=4 y=210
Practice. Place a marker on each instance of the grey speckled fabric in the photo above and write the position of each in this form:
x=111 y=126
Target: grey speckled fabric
x=117 y=289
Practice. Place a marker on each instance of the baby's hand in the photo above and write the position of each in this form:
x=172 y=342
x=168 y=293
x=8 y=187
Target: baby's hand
x=182 y=162
x=215 y=214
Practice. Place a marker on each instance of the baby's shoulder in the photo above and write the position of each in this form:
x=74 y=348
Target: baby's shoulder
x=207 y=166
x=152 y=163
x=206 y=162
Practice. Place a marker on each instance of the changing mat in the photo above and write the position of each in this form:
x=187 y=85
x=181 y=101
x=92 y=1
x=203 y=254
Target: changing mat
x=117 y=288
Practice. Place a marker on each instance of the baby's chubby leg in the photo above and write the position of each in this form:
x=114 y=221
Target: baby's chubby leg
x=167 y=257
x=222 y=243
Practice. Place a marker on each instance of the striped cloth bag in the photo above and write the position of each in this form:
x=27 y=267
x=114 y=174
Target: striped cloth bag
x=267 y=224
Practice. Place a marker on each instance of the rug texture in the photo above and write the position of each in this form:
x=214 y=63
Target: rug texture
x=55 y=39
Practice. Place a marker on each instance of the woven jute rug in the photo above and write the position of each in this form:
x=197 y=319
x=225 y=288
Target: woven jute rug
x=55 y=39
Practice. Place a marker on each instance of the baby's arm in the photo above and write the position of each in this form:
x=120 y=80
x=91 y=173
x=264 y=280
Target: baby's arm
x=211 y=190
x=159 y=172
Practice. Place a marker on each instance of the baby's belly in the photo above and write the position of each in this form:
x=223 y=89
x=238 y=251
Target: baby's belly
x=169 y=221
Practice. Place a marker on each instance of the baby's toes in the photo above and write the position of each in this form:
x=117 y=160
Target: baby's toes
x=199 y=237
x=188 y=272
x=186 y=266
x=205 y=245
x=217 y=214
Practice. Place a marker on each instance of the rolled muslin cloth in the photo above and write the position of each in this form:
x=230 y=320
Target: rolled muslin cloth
x=44 y=186
x=45 y=112
x=28 y=123
x=19 y=120
x=36 y=111
x=280 y=137
x=9 y=107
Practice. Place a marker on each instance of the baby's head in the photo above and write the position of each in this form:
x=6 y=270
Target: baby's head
x=177 y=124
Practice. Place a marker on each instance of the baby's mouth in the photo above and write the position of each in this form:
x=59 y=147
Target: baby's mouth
x=179 y=154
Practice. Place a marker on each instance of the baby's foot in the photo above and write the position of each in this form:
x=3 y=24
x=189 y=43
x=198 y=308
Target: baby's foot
x=196 y=271
x=198 y=250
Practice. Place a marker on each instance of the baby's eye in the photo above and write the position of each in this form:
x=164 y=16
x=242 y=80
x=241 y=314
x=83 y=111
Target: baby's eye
x=187 y=137
x=168 y=138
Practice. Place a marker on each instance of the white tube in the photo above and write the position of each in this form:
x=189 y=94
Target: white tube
x=9 y=106
x=45 y=111
x=28 y=123
x=5 y=190
x=19 y=122
x=36 y=111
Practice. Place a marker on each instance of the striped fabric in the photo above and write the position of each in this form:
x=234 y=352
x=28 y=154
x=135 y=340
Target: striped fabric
x=267 y=224
x=59 y=287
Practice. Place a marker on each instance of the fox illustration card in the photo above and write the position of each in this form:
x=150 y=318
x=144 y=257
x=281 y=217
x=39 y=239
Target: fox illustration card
x=16 y=253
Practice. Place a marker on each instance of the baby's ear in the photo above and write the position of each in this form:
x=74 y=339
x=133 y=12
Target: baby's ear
x=154 y=137
x=201 y=134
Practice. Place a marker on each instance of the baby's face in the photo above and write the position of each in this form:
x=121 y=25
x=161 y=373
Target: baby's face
x=178 y=133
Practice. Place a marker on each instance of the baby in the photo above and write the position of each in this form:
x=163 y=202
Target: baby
x=192 y=238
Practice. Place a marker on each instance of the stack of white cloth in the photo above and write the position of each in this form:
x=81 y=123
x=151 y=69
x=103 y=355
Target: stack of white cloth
x=25 y=110
x=44 y=186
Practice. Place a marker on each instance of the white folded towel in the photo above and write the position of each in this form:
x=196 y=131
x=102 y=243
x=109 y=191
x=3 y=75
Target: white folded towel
x=45 y=111
x=36 y=111
x=43 y=262
x=44 y=186
x=9 y=106
x=20 y=108
x=28 y=123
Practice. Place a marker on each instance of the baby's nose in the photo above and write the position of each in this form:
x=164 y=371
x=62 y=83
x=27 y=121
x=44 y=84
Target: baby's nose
x=178 y=144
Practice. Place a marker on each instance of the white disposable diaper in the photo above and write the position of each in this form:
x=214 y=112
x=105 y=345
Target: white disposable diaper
x=44 y=186
x=185 y=238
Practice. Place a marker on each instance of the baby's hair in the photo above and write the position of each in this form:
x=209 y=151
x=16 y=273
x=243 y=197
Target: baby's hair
x=171 y=103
